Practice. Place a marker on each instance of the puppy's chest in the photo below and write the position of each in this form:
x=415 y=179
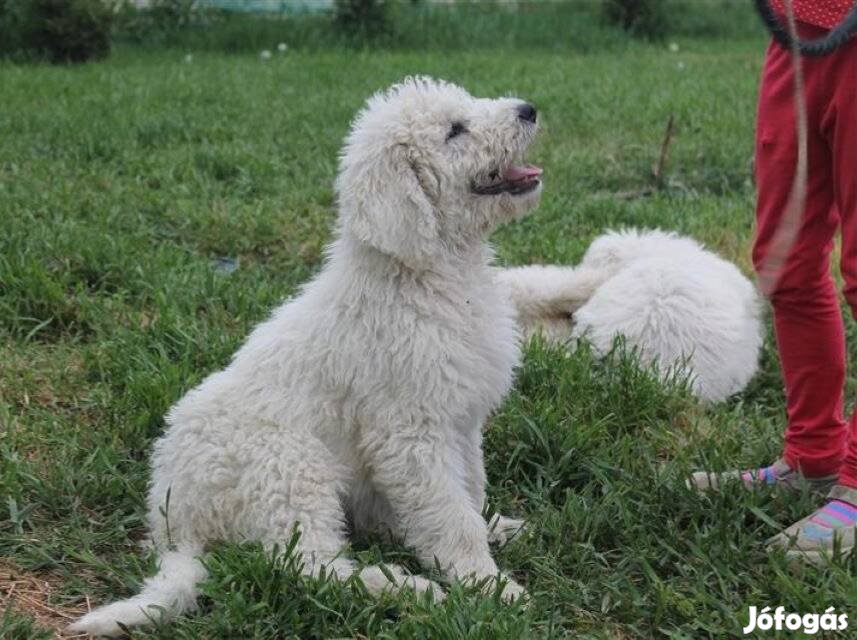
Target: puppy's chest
x=487 y=351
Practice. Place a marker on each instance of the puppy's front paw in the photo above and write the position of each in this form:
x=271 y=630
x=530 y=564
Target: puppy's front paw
x=502 y=529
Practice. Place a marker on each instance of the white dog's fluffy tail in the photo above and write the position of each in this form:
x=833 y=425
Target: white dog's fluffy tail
x=546 y=290
x=172 y=591
x=545 y=297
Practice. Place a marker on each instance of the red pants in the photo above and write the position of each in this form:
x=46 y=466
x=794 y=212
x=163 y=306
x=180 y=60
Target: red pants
x=807 y=317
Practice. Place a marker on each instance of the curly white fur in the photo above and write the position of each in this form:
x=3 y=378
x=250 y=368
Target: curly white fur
x=682 y=307
x=364 y=398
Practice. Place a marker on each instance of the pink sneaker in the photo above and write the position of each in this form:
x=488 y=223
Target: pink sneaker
x=779 y=475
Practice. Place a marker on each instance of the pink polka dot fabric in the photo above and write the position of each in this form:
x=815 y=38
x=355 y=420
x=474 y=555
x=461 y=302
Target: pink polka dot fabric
x=821 y=13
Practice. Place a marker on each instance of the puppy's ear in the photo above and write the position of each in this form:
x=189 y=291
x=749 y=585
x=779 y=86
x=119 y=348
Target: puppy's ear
x=387 y=202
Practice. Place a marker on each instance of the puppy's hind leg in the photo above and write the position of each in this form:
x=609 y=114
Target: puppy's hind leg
x=312 y=502
x=501 y=529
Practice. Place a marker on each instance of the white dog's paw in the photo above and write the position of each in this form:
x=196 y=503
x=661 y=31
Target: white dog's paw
x=511 y=590
x=422 y=585
x=502 y=529
x=393 y=578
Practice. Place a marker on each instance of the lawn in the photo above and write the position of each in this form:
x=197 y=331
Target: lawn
x=130 y=188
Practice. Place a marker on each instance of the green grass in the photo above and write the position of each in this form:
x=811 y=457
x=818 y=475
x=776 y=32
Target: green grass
x=556 y=25
x=123 y=182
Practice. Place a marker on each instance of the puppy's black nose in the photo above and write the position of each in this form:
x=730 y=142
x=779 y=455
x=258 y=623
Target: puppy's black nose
x=527 y=112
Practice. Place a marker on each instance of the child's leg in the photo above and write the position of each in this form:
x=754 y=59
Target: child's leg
x=842 y=125
x=833 y=526
x=807 y=317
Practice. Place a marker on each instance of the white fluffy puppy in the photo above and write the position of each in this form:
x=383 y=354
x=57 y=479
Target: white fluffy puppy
x=364 y=398
x=682 y=307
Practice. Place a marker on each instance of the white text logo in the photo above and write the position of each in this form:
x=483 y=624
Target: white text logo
x=810 y=623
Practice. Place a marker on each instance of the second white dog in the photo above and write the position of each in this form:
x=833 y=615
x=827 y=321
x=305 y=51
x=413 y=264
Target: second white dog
x=682 y=307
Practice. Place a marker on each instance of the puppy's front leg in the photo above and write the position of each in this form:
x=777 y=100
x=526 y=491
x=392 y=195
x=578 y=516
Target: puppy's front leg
x=500 y=528
x=412 y=464
x=472 y=472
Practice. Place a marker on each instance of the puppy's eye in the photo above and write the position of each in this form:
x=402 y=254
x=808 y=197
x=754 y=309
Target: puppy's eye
x=456 y=129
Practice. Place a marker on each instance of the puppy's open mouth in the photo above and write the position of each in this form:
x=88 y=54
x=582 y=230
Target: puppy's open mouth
x=515 y=180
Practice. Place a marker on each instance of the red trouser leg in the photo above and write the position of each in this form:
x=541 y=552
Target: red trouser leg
x=807 y=318
x=841 y=126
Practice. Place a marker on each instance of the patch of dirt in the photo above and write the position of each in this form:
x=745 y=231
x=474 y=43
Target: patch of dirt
x=30 y=593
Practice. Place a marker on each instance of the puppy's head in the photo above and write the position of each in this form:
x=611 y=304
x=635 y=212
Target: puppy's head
x=428 y=169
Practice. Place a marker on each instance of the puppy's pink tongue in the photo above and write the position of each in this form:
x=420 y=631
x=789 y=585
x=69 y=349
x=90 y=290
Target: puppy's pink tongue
x=527 y=172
